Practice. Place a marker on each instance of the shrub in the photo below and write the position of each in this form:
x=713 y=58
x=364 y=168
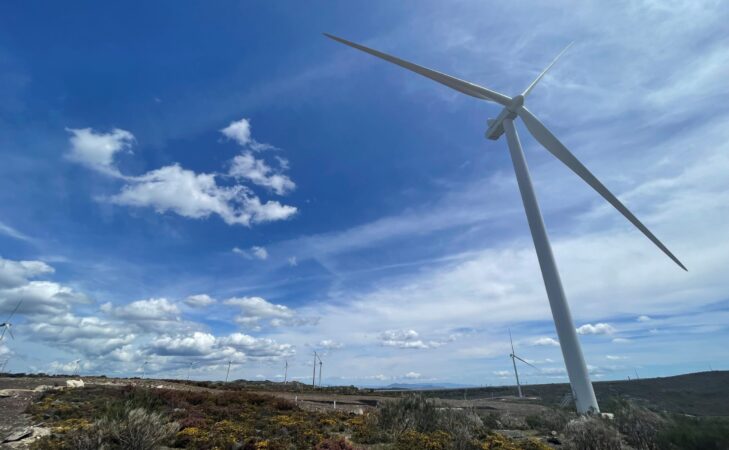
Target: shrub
x=548 y=420
x=138 y=429
x=464 y=426
x=334 y=444
x=694 y=433
x=413 y=440
x=413 y=412
x=640 y=426
x=592 y=433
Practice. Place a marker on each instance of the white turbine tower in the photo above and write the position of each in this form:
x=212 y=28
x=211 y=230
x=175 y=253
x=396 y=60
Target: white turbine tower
x=286 y=371
x=144 y=368
x=228 y=371
x=313 y=377
x=513 y=107
x=320 y=364
x=189 y=367
x=513 y=357
x=6 y=326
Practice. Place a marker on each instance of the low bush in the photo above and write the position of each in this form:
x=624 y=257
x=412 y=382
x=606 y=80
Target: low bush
x=134 y=429
x=591 y=433
x=695 y=433
x=549 y=420
x=639 y=425
x=334 y=444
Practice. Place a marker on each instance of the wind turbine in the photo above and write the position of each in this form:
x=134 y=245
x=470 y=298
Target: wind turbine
x=313 y=377
x=228 y=372
x=320 y=364
x=6 y=326
x=77 y=370
x=192 y=363
x=513 y=357
x=286 y=371
x=513 y=107
x=144 y=368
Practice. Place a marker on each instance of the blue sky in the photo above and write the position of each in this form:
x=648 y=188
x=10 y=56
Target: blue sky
x=188 y=182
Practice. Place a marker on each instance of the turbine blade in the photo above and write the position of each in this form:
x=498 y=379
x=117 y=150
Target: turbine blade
x=534 y=83
x=512 y=343
x=465 y=87
x=11 y=333
x=529 y=364
x=3 y=333
x=14 y=311
x=555 y=147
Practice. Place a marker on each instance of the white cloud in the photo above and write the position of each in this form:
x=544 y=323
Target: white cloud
x=293 y=262
x=255 y=252
x=259 y=252
x=249 y=168
x=598 y=328
x=614 y=357
x=257 y=309
x=199 y=300
x=97 y=150
x=545 y=341
x=193 y=195
x=502 y=373
x=151 y=314
x=16 y=273
x=621 y=341
x=257 y=347
x=643 y=319
x=407 y=339
x=239 y=131
x=7 y=230
x=412 y=376
x=329 y=344
x=198 y=344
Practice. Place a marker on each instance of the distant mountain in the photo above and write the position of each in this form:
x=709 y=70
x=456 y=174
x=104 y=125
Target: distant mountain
x=425 y=386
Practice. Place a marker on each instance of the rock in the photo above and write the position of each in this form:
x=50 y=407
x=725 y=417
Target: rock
x=18 y=435
x=553 y=433
x=42 y=387
x=554 y=440
x=608 y=416
x=5 y=393
x=75 y=383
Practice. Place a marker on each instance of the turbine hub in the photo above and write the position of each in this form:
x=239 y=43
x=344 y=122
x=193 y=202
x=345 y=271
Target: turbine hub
x=516 y=103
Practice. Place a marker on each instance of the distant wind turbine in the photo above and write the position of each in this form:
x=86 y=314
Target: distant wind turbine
x=320 y=364
x=513 y=357
x=192 y=363
x=286 y=371
x=228 y=372
x=6 y=326
x=144 y=368
x=513 y=107
x=313 y=377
